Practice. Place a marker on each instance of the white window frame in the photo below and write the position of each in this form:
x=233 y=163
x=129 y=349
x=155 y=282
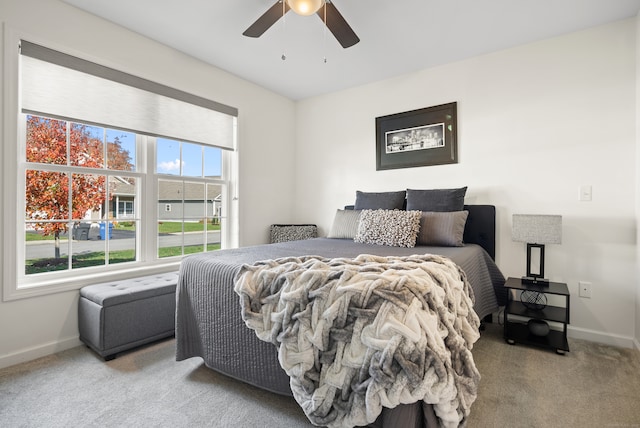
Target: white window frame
x=124 y=215
x=15 y=284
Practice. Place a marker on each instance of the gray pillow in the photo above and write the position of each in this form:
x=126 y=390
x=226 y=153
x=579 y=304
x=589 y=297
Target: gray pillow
x=394 y=228
x=436 y=199
x=380 y=200
x=345 y=224
x=442 y=229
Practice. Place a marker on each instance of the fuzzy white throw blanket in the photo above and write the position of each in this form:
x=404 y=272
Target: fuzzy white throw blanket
x=355 y=335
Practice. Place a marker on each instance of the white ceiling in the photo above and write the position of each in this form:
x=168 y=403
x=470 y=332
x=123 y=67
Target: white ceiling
x=397 y=36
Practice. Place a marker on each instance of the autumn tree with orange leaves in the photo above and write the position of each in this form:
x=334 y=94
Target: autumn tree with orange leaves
x=57 y=142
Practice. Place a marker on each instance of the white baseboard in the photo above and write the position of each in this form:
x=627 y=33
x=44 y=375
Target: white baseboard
x=43 y=350
x=600 y=337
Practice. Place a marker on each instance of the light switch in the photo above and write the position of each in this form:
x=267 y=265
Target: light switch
x=585 y=193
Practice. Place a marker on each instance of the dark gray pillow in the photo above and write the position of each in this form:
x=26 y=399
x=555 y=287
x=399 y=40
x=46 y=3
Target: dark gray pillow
x=442 y=229
x=436 y=199
x=380 y=200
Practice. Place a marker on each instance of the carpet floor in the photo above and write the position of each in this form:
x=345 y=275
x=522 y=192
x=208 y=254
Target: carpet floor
x=591 y=386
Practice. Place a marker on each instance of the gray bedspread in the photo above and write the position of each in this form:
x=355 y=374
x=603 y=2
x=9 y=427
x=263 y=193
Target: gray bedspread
x=208 y=319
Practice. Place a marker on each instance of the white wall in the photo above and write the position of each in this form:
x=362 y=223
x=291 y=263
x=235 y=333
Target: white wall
x=535 y=123
x=37 y=326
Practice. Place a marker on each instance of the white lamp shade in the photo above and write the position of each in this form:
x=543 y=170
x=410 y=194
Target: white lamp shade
x=305 y=7
x=537 y=229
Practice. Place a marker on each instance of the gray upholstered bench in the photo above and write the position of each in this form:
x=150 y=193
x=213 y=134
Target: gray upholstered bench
x=120 y=315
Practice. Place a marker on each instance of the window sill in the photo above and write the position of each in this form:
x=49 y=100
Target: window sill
x=60 y=285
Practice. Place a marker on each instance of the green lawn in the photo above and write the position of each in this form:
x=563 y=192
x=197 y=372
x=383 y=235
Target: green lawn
x=31 y=236
x=175 y=227
x=98 y=258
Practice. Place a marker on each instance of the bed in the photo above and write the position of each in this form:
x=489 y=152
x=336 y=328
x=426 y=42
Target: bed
x=209 y=324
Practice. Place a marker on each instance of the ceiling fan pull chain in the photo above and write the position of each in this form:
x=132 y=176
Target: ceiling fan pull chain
x=284 y=30
x=324 y=33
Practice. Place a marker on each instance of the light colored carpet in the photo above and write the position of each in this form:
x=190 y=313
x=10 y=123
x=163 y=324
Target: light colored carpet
x=591 y=386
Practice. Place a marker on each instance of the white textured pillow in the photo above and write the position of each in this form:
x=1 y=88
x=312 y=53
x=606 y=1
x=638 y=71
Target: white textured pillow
x=394 y=228
x=345 y=224
x=444 y=229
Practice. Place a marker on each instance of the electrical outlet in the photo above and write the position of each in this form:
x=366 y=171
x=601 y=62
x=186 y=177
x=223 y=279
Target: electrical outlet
x=585 y=289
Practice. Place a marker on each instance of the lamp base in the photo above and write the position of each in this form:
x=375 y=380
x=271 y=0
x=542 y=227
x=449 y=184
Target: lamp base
x=529 y=280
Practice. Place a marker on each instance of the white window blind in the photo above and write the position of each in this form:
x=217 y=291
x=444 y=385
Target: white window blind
x=67 y=87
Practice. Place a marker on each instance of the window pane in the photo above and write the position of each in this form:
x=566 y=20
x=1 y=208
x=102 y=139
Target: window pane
x=47 y=198
x=170 y=238
x=46 y=252
x=193 y=248
x=214 y=202
x=214 y=216
x=122 y=246
x=123 y=192
x=88 y=196
x=170 y=199
x=86 y=146
x=121 y=150
x=212 y=162
x=46 y=140
x=194 y=201
x=177 y=201
x=168 y=156
x=191 y=160
x=213 y=238
x=194 y=237
x=88 y=247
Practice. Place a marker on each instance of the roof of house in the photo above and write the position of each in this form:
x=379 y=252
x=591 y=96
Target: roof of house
x=169 y=190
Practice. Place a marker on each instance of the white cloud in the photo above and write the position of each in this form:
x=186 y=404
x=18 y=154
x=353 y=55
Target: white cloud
x=170 y=166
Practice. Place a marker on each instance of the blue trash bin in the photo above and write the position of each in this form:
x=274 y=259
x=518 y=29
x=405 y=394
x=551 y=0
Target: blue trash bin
x=103 y=230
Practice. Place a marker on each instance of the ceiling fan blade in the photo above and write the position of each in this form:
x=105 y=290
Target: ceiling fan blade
x=267 y=19
x=338 y=25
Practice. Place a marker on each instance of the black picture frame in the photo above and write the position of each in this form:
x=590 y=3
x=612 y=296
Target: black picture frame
x=423 y=137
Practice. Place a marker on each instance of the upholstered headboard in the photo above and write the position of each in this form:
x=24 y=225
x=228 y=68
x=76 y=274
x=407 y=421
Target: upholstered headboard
x=480 y=228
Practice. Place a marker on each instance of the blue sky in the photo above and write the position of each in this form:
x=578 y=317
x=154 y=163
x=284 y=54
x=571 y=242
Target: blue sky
x=195 y=160
x=169 y=158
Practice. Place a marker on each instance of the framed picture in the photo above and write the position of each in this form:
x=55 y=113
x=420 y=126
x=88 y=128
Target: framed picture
x=414 y=138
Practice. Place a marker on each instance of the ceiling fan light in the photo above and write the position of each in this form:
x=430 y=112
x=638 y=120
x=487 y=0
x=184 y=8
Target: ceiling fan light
x=305 y=7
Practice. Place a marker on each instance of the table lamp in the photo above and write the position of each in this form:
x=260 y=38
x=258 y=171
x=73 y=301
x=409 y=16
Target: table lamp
x=536 y=231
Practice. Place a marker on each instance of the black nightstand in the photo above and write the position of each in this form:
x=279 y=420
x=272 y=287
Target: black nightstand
x=518 y=331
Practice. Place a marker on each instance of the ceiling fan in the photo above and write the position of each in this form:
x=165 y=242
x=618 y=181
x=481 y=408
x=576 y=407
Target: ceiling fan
x=325 y=9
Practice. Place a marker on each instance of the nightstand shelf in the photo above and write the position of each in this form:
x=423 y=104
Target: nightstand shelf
x=550 y=313
x=519 y=333
x=517 y=330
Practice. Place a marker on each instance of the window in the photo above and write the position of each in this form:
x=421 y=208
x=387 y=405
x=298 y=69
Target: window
x=72 y=173
x=190 y=190
x=106 y=185
x=82 y=186
x=125 y=209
